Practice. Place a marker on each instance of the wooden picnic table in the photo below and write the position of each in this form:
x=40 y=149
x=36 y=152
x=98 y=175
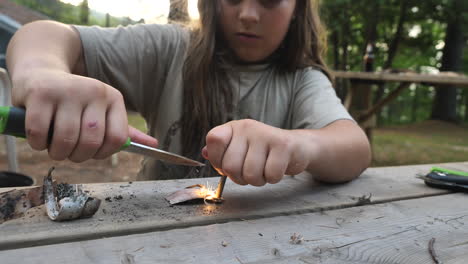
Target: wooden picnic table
x=387 y=215
x=359 y=98
x=361 y=81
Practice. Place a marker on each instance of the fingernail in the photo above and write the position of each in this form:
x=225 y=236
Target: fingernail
x=154 y=142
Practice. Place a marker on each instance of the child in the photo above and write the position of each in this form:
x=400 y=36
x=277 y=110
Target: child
x=247 y=90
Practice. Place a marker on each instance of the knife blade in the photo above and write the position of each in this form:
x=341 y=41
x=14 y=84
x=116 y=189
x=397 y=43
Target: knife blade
x=159 y=154
x=12 y=122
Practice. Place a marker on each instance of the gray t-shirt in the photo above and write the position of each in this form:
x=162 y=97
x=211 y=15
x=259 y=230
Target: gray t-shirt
x=144 y=62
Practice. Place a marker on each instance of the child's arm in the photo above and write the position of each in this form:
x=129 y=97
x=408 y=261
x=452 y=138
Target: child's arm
x=89 y=118
x=250 y=152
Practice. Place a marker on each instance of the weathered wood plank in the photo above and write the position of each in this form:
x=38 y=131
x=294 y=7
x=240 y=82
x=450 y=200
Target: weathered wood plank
x=142 y=207
x=396 y=232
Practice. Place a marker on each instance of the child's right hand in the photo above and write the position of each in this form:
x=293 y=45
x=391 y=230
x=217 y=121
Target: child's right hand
x=88 y=116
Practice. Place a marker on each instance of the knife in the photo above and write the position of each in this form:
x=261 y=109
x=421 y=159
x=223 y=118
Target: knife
x=12 y=121
x=446 y=179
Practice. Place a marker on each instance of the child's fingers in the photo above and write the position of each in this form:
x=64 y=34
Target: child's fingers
x=205 y=152
x=38 y=119
x=254 y=164
x=66 y=131
x=116 y=130
x=138 y=136
x=217 y=141
x=233 y=159
x=93 y=127
x=275 y=166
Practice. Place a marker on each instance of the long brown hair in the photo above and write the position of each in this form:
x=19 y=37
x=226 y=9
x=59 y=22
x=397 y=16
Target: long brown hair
x=207 y=95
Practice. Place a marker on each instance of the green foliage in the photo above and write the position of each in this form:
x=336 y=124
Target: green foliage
x=352 y=19
x=136 y=121
x=352 y=24
x=54 y=9
x=84 y=12
x=70 y=14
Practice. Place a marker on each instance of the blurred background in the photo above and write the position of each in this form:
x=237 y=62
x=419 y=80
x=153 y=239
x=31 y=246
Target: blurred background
x=426 y=122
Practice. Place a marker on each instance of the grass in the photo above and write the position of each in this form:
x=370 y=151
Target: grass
x=137 y=122
x=421 y=143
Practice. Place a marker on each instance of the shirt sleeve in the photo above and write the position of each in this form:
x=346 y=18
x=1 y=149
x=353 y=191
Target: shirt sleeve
x=133 y=59
x=315 y=103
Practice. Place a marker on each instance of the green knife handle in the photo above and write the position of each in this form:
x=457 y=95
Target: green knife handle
x=126 y=144
x=12 y=121
x=448 y=171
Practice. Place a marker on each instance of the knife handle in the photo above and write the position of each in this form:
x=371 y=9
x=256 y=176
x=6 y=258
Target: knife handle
x=126 y=144
x=447 y=177
x=12 y=122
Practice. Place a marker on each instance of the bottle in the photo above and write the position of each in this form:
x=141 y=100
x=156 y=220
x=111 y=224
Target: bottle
x=369 y=58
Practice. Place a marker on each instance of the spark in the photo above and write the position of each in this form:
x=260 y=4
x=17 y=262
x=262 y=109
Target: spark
x=210 y=192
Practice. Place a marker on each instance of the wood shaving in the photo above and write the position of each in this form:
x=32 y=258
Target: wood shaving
x=296 y=239
x=63 y=201
x=363 y=200
x=276 y=252
x=193 y=192
x=71 y=203
x=432 y=252
x=127 y=259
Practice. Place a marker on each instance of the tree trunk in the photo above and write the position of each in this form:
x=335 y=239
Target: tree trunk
x=336 y=50
x=364 y=90
x=84 y=12
x=373 y=15
x=466 y=104
x=178 y=11
x=371 y=35
x=340 y=85
x=346 y=33
x=392 y=50
x=391 y=113
x=107 y=20
x=445 y=102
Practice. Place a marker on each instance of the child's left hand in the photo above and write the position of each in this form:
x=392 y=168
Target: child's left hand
x=250 y=152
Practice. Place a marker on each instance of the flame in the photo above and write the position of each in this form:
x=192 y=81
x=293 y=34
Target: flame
x=209 y=192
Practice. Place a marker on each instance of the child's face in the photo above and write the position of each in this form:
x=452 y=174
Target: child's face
x=254 y=29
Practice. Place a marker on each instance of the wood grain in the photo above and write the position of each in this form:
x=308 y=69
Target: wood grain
x=396 y=232
x=142 y=207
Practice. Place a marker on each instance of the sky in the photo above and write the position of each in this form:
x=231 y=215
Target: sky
x=149 y=10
